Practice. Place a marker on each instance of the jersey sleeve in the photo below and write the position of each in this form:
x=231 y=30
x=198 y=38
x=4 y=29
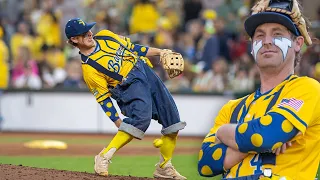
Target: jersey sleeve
x=98 y=86
x=123 y=40
x=299 y=102
x=212 y=155
x=137 y=49
x=222 y=118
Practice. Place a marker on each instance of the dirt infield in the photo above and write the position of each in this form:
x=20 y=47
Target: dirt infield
x=13 y=172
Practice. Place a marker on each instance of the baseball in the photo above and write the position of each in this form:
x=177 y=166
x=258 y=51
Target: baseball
x=157 y=143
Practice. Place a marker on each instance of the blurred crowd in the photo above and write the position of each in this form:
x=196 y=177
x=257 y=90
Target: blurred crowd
x=208 y=33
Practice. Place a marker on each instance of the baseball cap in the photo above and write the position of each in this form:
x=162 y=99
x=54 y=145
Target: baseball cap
x=259 y=18
x=77 y=26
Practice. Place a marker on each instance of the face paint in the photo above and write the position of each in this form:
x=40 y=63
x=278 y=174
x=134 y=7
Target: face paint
x=256 y=46
x=283 y=44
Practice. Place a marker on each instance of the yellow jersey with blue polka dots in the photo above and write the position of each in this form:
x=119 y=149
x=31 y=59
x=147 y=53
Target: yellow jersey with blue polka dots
x=297 y=99
x=113 y=56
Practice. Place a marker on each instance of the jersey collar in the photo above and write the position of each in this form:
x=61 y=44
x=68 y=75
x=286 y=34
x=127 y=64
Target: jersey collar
x=258 y=93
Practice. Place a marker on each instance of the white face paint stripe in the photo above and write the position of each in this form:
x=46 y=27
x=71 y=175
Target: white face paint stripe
x=283 y=44
x=256 y=46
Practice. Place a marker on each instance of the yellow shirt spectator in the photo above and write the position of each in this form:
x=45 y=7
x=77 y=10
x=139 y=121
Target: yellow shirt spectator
x=56 y=58
x=144 y=18
x=4 y=55
x=48 y=28
x=22 y=38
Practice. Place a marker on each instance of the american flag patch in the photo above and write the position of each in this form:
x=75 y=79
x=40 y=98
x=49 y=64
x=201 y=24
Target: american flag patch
x=292 y=102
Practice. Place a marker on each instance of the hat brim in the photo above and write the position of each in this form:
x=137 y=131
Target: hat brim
x=88 y=27
x=256 y=20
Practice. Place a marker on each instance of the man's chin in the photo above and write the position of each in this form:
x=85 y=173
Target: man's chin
x=268 y=65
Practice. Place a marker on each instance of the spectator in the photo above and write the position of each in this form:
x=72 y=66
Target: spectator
x=4 y=58
x=51 y=67
x=181 y=83
x=4 y=70
x=25 y=72
x=223 y=38
x=21 y=38
x=242 y=82
x=48 y=25
x=194 y=32
x=201 y=30
x=191 y=10
x=164 y=36
x=213 y=80
x=74 y=75
x=7 y=29
x=316 y=23
x=144 y=17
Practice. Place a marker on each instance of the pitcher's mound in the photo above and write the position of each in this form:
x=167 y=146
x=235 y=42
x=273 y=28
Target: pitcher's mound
x=13 y=172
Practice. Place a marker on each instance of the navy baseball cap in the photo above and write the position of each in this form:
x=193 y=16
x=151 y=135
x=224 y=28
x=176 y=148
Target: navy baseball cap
x=256 y=20
x=77 y=26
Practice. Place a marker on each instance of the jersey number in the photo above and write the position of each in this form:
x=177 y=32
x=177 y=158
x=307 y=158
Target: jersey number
x=256 y=163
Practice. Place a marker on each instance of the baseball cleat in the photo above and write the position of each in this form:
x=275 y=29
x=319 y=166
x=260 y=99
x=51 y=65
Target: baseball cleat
x=101 y=163
x=167 y=172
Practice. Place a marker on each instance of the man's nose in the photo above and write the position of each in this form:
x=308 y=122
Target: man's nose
x=90 y=33
x=268 y=40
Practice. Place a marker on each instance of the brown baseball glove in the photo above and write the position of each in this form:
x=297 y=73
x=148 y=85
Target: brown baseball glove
x=172 y=62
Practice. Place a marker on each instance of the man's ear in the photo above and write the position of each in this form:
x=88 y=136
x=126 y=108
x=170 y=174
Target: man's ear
x=74 y=39
x=298 y=43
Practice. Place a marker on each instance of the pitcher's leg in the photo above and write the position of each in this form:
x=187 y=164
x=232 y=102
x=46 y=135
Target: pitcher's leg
x=138 y=110
x=168 y=147
x=168 y=117
x=103 y=159
x=136 y=104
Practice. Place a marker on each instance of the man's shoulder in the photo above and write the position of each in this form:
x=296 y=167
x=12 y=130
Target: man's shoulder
x=305 y=83
x=105 y=32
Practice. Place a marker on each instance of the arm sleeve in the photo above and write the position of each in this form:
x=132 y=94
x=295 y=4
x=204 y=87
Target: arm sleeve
x=295 y=110
x=211 y=155
x=139 y=50
x=211 y=158
x=264 y=134
x=109 y=109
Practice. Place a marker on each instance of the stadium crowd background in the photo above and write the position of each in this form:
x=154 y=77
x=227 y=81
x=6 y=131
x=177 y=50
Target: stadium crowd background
x=208 y=33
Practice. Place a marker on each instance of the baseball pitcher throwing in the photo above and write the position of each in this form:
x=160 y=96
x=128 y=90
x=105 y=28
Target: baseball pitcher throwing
x=114 y=67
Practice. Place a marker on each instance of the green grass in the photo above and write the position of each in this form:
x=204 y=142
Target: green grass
x=141 y=166
x=92 y=141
